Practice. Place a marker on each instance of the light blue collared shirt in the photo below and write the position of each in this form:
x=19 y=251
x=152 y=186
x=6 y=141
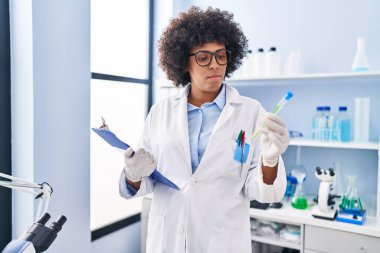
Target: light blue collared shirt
x=201 y=122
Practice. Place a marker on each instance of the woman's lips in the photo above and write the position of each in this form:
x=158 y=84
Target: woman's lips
x=214 y=77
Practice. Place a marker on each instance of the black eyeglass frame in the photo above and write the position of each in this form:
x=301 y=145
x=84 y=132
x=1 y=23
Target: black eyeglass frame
x=228 y=55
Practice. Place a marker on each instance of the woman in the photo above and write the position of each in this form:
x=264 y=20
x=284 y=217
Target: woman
x=195 y=140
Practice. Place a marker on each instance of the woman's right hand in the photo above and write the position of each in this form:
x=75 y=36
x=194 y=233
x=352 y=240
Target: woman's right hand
x=138 y=164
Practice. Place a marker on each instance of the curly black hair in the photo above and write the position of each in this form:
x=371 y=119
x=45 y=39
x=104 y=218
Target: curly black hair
x=195 y=28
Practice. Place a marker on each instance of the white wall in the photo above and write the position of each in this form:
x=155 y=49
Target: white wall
x=325 y=31
x=22 y=109
x=51 y=110
x=61 y=43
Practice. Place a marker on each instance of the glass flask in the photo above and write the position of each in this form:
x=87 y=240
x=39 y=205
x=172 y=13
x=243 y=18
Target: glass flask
x=299 y=201
x=351 y=201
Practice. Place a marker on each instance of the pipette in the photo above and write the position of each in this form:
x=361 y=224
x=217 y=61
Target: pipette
x=276 y=110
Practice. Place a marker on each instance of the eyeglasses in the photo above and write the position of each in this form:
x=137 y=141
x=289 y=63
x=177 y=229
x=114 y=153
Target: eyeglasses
x=204 y=58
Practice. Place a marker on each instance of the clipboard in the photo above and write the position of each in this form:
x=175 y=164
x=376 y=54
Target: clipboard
x=114 y=141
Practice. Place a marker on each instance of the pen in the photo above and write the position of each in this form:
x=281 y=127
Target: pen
x=104 y=125
x=243 y=139
x=239 y=137
x=242 y=149
x=276 y=110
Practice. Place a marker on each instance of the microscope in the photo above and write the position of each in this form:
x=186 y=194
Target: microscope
x=38 y=237
x=325 y=208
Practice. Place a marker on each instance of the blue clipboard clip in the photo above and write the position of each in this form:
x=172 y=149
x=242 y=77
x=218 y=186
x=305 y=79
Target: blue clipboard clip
x=114 y=141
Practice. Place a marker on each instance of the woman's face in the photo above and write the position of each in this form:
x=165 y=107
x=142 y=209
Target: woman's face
x=208 y=78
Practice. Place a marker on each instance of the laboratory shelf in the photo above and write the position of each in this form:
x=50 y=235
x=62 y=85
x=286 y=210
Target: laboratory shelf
x=287 y=214
x=304 y=79
x=275 y=240
x=334 y=77
x=333 y=144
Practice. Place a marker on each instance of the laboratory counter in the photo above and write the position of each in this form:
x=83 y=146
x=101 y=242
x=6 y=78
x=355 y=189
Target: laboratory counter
x=288 y=214
x=317 y=235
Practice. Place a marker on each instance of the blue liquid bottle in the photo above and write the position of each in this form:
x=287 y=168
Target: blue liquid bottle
x=343 y=124
x=318 y=120
x=328 y=132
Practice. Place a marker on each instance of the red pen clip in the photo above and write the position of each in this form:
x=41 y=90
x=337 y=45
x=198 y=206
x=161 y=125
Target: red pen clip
x=243 y=140
x=242 y=143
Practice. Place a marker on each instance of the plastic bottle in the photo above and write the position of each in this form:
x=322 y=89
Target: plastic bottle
x=360 y=63
x=247 y=68
x=343 y=125
x=259 y=63
x=272 y=63
x=294 y=64
x=319 y=120
x=328 y=133
x=315 y=123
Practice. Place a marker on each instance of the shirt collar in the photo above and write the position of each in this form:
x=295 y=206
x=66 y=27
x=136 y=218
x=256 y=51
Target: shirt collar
x=220 y=100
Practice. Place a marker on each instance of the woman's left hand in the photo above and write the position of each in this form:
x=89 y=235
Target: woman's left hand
x=275 y=139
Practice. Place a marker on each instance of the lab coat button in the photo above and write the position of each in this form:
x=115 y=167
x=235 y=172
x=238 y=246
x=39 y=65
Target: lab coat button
x=181 y=229
x=192 y=181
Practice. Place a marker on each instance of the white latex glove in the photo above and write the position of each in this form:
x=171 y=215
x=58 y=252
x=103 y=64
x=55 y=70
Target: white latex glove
x=138 y=164
x=275 y=139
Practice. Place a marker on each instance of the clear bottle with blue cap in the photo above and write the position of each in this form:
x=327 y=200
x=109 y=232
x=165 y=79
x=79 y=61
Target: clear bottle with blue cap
x=343 y=125
x=319 y=123
x=329 y=129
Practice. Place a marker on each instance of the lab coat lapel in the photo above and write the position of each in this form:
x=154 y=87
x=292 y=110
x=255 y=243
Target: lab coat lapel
x=180 y=109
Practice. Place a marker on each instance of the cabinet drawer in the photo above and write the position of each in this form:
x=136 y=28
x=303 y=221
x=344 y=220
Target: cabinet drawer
x=334 y=241
x=311 y=251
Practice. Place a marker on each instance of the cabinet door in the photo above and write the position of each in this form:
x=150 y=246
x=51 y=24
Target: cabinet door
x=334 y=241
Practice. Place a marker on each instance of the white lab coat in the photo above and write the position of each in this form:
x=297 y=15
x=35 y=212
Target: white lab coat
x=211 y=214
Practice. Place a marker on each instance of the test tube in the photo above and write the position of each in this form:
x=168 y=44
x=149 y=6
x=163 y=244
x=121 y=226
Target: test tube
x=276 y=110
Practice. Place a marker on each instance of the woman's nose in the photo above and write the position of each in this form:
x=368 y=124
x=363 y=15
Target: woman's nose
x=213 y=64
